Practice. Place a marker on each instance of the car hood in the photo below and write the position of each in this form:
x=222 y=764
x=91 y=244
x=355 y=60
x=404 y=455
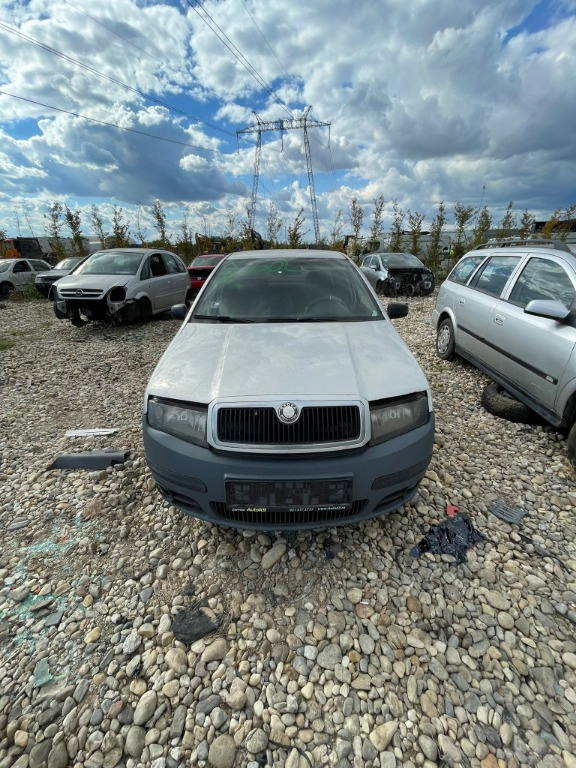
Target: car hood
x=53 y=273
x=101 y=282
x=208 y=361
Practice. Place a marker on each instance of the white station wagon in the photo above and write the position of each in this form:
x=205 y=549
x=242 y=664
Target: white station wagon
x=287 y=399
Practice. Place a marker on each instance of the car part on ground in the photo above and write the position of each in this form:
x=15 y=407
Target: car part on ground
x=287 y=399
x=510 y=310
x=398 y=274
x=121 y=284
x=499 y=402
x=91 y=460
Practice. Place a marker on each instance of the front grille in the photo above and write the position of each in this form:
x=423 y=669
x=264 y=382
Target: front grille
x=87 y=293
x=287 y=518
x=261 y=426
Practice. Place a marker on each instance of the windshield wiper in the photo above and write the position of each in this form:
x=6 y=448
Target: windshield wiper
x=223 y=318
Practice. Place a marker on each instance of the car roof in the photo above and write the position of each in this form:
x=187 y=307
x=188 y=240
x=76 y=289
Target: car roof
x=288 y=253
x=567 y=254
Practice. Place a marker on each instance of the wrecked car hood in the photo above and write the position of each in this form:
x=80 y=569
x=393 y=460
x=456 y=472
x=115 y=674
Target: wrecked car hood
x=208 y=361
x=97 y=282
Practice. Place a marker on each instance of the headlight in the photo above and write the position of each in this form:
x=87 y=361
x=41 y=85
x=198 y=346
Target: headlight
x=117 y=294
x=396 y=417
x=186 y=422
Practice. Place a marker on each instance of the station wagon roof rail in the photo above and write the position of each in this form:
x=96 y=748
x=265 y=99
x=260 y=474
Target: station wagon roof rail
x=511 y=242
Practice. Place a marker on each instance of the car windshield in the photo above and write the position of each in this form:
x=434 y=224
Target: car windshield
x=110 y=263
x=286 y=289
x=67 y=263
x=396 y=260
x=207 y=261
x=5 y=265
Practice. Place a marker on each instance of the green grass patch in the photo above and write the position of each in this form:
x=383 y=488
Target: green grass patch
x=6 y=344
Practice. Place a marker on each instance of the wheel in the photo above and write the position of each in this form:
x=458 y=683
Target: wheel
x=144 y=309
x=59 y=314
x=379 y=286
x=445 y=340
x=501 y=403
x=5 y=290
x=571 y=443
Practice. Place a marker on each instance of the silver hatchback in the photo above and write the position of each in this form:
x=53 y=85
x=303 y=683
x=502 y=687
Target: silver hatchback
x=510 y=309
x=121 y=283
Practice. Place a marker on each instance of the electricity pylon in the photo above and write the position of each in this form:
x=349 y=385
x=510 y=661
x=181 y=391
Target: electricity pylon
x=284 y=125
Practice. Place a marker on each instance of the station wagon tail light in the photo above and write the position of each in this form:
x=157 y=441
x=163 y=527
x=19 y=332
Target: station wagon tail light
x=391 y=418
x=187 y=422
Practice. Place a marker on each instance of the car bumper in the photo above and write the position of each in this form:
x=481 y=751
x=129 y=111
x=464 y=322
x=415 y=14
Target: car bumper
x=382 y=477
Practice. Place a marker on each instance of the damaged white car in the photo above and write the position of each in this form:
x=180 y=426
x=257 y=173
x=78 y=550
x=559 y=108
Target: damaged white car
x=122 y=284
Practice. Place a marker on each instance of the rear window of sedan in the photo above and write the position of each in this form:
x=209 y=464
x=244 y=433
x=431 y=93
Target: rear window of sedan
x=276 y=289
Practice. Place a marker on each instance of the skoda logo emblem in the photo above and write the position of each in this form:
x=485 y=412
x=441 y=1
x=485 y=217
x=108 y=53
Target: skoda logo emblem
x=288 y=413
x=79 y=293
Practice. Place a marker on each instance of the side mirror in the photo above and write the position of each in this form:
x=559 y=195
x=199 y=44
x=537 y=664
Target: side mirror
x=179 y=311
x=396 y=309
x=553 y=310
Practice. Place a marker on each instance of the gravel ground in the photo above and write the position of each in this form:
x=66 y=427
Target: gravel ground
x=336 y=648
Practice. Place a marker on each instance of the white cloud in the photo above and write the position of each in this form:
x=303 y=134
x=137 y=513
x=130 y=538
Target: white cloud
x=427 y=102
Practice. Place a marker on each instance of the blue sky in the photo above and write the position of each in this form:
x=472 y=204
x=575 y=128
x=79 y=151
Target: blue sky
x=428 y=101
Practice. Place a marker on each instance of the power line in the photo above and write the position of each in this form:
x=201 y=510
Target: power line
x=110 y=79
x=238 y=55
x=111 y=125
x=264 y=38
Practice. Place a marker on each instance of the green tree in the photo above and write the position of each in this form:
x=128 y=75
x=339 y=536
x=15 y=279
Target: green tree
x=526 y=224
x=274 y=223
x=376 y=228
x=54 y=224
x=141 y=234
x=245 y=231
x=507 y=222
x=120 y=228
x=231 y=225
x=483 y=226
x=74 y=224
x=185 y=246
x=356 y=218
x=397 y=228
x=295 y=233
x=560 y=223
x=462 y=216
x=159 y=217
x=433 y=250
x=336 y=238
x=415 y=220
x=98 y=225
x=3 y=244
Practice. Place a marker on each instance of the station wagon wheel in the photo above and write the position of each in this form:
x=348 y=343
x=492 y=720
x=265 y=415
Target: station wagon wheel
x=571 y=443
x=445 y=340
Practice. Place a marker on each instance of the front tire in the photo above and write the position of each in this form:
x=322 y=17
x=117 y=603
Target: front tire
x=445 y=343
x=5 y=290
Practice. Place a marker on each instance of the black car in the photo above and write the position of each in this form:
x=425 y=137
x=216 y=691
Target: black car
x=45 y=280
x=398 y=274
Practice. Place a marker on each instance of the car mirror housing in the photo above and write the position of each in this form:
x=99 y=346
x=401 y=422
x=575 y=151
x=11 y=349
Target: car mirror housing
x=396 y=309
x=179 y=311
x=554 y=310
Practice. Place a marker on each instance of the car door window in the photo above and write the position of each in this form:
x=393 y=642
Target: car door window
x=367 y=261
x=542 y=279
x=21 y=266
x=172 y=265
x=493 y=275
x=157 y=266
x=146 y=273
x=465 y=267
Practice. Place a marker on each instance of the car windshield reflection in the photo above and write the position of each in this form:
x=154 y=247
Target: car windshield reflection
x=297 y=289
x=110 y=263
